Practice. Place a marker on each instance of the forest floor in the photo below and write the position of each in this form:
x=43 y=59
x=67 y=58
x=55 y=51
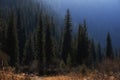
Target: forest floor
x=107 y=70
x=71 y=76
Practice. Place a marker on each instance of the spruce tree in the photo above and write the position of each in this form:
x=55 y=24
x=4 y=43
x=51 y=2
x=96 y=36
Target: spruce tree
x=12 y=41
x=40 y=45
x=50 y=55
x=93 y=51
x=53 y=28
x=79 y=45
x=28 y=55
x=74 y=51
x=83 y=45
x=69 y=62
x=3 y=31
x=21 y=36
x=67 y=38
x=99 y=53
x=109 y=49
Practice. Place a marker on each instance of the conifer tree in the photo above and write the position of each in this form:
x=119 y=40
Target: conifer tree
x=12 y=41
x=83 y=45
x=21 y=36
x=109 y=49
x=50 y=55
x=99 y=53
x=93 y=51
x=3 y=31
x=69 y=62
x=28 y=55
x=40 y=45
x=74 y=51
x=79 y=46
x=53 y=29
x=67 y=38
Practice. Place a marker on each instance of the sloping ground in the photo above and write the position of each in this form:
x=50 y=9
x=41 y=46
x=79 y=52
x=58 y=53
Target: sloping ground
x=90 y=76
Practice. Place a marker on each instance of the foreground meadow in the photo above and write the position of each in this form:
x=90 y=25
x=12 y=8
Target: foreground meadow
x=72 y=76
x=107 y=70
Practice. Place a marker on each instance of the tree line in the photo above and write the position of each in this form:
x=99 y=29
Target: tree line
x=46 y=50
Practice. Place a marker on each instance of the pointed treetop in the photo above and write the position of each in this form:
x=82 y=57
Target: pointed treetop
x=68 y=11
x=85 y=24
x=109 y=49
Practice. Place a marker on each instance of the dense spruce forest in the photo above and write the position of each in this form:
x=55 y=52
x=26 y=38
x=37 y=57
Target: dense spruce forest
x=34 y=40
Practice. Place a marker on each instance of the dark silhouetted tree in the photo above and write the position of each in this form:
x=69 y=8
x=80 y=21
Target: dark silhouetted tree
x=83 y=45
x=28 y=55
x=49 y=50
x=79 y=45
x=3 y=31
x=40 y=45
x=109 y=49
x=93 y=51
x=67 y=38
x=12 y=41
x=69 y=61
x=21 y=36
x=99 y=52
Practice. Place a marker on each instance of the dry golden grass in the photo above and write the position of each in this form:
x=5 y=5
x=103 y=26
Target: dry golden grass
x=92 y=76
x=108 y=70
x=7 y=75
x=95 y=75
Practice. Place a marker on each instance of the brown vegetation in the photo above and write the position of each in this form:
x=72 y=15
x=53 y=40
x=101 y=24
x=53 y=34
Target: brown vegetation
x=107 y=70
x=8 y=75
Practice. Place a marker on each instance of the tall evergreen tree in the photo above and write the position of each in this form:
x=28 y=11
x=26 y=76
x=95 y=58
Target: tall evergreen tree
x=67 y=38
x=79 y=45
x=40 y=45
x=50 y=55
x=99 y=53
x=109 y=49
x=74 y=51
x=21 y=36
x=12 y=41
x=83 y=45
x=28 y=55
x=93 y=51
x=3 y=31
x=53 y=29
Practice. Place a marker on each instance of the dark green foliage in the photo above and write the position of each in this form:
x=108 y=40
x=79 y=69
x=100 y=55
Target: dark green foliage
x=28 y=55
x=67 y=38
x=21 y=36
x=12 y=41
x=3 y=31
x=69 y=61
x=53 y=28
x=93 y=51
x=74 y=51
x=109 y=50
x=83 y=45
x=99 y=53
x=79 y=57
x=50 y=55
x=40 y=45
